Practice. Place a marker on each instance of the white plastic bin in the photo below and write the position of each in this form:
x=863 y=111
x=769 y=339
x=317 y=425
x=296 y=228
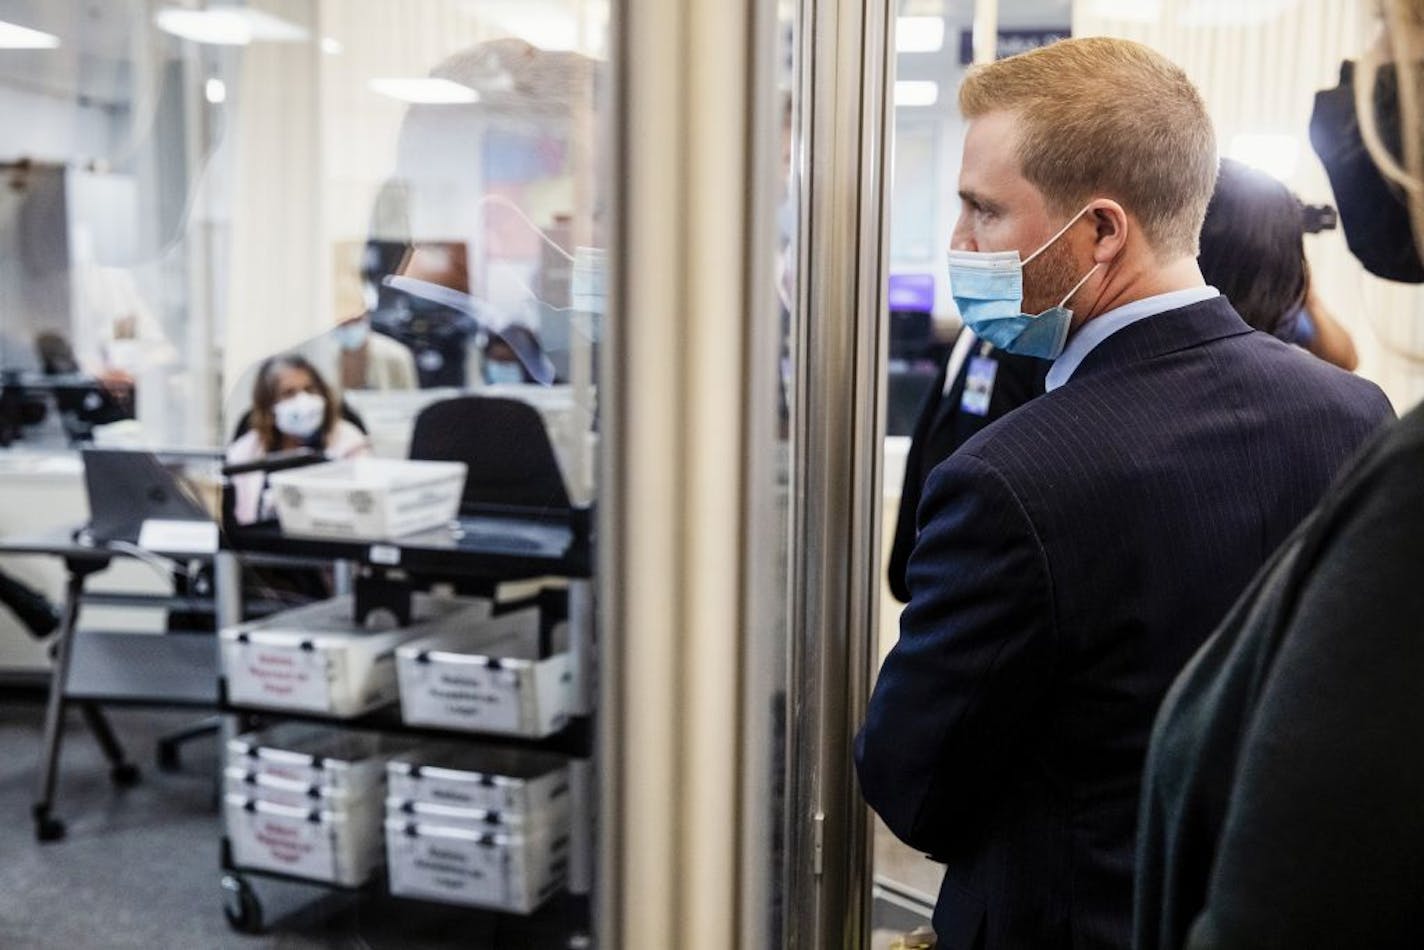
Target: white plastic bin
x=314 y=756
x=367 y=498
x=508 y=872
x=316 y=659
x=340 y=846
x=489 y=680
x=515 y=781
x=549 y=820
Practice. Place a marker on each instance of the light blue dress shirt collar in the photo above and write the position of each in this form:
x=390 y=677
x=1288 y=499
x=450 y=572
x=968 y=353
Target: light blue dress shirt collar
x=1098 y=329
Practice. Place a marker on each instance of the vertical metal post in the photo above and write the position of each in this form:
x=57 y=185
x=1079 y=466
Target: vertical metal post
x=846 y=75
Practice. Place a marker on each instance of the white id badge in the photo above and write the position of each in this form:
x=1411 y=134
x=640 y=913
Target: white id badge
x=979 y=385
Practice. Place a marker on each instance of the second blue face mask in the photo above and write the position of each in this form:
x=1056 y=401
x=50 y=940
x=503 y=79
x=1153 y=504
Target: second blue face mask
x=988 y=289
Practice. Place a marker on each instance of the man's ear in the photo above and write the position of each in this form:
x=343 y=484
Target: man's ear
x=1110 y=225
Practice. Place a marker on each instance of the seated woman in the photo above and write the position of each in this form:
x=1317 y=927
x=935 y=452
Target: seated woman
x=292 y=408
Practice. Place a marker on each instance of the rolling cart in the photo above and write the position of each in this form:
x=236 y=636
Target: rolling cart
x=472 y=553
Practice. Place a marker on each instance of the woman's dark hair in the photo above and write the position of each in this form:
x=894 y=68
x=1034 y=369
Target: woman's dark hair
x=1252 y=248
x=264 y=397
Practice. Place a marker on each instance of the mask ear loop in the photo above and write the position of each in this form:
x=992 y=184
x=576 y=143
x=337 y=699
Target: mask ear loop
x=1079 y=286
x=1061 y=231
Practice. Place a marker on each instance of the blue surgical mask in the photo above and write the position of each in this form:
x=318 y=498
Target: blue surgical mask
x=503 y=371
x=352 y=335
x=988 y=289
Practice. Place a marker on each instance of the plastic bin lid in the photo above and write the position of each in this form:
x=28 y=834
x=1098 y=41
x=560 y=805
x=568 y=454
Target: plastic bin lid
x=488 y=764
x=314 y=744
x=494 y=838
x=248 y=803
x=369 y=473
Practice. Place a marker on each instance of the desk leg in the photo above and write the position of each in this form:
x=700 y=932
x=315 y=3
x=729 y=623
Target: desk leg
x=48 y=828
x=123 y=772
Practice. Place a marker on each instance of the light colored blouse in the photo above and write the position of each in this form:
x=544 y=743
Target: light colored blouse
x=250 y=495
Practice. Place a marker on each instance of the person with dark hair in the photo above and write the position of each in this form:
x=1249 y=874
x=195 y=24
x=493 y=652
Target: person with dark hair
x=1252 y=247
x=1253 y=251
x=292 y=408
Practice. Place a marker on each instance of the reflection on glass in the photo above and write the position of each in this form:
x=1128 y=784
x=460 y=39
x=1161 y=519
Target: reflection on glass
x=300 y=225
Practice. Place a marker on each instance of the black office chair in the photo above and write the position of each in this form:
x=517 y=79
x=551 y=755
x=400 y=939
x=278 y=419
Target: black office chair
x=511 y=462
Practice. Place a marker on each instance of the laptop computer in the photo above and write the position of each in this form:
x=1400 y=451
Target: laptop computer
x=128 y=488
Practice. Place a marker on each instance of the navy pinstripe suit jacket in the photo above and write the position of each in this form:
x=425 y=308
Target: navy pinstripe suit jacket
x=1071 y=558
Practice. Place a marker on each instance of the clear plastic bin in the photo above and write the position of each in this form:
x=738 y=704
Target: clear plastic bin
x=490 y=779
x=367 y=498
x=508 y=872
x=317 y=659
x=337 y=846
x=491 y=679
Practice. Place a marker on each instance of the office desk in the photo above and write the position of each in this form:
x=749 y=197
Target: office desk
x=96 y=667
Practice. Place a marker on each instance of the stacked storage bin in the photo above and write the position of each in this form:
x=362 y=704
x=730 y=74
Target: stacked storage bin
x=305 y=801
x=481 y=827
x=489 y=676
x=318 y=659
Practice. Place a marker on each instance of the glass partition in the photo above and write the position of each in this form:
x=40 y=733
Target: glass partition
x=245 y=229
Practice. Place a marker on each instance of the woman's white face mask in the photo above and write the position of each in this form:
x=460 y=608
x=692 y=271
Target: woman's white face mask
x=300 y=416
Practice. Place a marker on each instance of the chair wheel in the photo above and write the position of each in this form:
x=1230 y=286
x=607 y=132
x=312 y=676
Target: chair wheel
x=125 y=775
x=240 y=905
x=49 y=829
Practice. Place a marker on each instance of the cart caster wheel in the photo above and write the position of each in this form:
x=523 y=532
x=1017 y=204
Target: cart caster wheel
x=125 y=775
x=240 y=905
x=49 y=829
x=168 y=758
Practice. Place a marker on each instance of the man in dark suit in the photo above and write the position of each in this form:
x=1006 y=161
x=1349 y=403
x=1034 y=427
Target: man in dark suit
x=948 y=419
x=1073 y=555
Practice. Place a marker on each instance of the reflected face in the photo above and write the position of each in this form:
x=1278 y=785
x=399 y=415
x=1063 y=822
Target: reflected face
x=1000 y=210
x=291 y=381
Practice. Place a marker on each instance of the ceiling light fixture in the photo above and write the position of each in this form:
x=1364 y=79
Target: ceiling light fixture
x=14 y=36
x=425 y=91
x=919 y=34
x=228 y=26
x=915 y=92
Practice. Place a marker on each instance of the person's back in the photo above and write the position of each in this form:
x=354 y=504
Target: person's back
x=1234 y=441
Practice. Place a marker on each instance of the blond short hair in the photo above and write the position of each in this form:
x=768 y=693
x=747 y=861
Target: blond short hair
x=1111 y=118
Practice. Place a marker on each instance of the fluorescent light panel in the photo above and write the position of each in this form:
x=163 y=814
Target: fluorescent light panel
x=915 y=92
x=919 y=34
x=14 y=36
x=1275 y=154
x=425 y=91
x=228 y=26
